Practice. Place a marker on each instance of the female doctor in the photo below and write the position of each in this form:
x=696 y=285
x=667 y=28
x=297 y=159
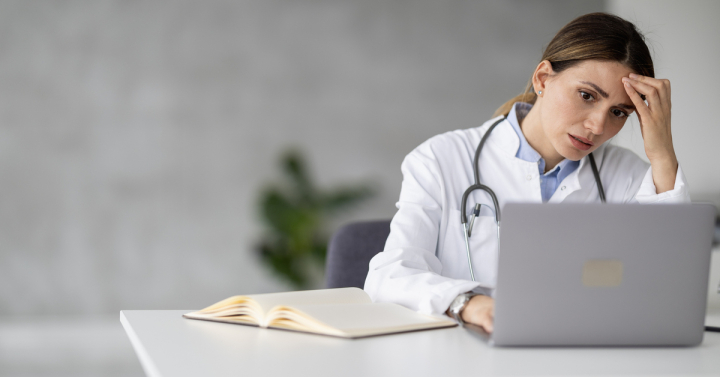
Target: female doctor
x=595 y=72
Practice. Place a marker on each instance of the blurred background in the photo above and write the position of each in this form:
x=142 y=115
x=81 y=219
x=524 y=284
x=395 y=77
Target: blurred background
x=138 y=138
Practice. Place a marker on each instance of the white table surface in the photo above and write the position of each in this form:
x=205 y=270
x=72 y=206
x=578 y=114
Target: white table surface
x=169 y=345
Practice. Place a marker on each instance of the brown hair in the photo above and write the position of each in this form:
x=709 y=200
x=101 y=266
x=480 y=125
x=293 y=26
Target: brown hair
x=599 y=36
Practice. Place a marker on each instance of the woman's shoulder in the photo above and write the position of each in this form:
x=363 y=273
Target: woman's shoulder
x=453 y=143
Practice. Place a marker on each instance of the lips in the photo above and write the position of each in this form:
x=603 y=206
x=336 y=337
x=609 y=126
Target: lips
x=580 y=142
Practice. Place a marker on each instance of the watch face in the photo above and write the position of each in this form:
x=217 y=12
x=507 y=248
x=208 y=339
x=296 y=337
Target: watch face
x=458 y=303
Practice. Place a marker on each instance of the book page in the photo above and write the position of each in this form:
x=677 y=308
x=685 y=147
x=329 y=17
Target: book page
x=240 y=309
x=354 y=320
x=251 y=309
x=314 y=297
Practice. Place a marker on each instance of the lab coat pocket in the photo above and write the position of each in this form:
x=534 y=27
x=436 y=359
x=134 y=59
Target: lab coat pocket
x=483 y=250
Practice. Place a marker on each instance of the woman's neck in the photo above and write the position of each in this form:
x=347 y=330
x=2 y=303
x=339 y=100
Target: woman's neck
x=534 y=132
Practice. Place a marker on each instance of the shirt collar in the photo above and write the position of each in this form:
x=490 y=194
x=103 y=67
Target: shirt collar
x=524 y=152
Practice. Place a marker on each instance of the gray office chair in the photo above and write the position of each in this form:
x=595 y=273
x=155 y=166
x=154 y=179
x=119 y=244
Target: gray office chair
x=350 y=250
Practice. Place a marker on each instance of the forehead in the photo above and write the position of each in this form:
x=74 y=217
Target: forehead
x=606 y=71
x=605 y=74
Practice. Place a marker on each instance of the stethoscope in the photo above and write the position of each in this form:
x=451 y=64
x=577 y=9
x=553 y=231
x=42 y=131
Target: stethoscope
x=496 y=210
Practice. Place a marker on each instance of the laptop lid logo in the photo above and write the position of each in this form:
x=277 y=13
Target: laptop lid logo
x=602 y=273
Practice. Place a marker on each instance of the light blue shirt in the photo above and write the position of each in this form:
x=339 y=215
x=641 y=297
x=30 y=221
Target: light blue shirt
x=549 y=181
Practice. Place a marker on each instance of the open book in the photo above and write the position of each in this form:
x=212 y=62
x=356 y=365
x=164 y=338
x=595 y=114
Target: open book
x=342 y=312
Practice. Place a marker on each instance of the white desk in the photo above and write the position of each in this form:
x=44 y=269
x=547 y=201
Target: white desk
x=169 y=345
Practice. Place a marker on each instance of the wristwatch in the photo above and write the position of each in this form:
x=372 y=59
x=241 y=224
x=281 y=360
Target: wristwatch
x=458 y=304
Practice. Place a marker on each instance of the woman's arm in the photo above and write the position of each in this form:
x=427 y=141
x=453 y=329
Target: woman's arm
x=655 y=127
x=408 y=272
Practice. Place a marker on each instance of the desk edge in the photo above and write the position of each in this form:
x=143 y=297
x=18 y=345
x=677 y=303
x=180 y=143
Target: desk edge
x=149 y=367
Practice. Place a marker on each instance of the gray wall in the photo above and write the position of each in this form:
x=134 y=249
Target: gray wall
x=135 y=135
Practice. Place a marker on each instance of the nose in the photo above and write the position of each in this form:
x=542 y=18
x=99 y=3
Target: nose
x=596 y=122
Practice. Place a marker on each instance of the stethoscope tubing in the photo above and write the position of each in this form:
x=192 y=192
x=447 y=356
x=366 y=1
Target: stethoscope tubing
x=476 y=176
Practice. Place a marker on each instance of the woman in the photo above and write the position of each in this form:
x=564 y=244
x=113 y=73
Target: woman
x=594 y=73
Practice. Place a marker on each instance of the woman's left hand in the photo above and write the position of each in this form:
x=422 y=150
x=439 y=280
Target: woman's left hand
x=655 y=126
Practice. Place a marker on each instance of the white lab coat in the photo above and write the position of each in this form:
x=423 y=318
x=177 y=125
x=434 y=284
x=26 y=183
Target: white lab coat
x=424 y=263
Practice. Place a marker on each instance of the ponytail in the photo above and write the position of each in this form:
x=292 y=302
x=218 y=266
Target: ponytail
x=528 y=96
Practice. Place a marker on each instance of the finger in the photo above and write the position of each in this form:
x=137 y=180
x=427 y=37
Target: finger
x=650 y=92
x=661 y=85
x=646 y=80
x=488 y=325
x=665 y=86
x=658 y=102
x=640 y=106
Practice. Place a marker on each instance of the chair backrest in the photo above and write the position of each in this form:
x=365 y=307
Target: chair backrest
x=350 y=250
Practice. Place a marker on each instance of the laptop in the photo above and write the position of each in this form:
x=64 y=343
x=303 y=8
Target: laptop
x=602 y=274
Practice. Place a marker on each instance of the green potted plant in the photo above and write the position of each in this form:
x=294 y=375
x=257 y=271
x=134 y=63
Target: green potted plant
x=295 y=215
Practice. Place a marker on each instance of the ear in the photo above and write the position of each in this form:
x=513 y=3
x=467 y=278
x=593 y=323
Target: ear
x=541 y=75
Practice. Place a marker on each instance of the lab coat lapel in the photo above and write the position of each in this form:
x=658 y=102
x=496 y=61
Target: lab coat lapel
x=505 y=139
x=581 y=179
x=523 y=180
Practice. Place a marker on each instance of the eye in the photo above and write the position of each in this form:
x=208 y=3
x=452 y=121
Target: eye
x=586 y=96
x=619 y=113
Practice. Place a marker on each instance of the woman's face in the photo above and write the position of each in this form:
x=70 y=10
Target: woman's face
x=583 y=106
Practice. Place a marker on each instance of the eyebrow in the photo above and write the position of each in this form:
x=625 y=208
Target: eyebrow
x=597 y=88
x=605 y=95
